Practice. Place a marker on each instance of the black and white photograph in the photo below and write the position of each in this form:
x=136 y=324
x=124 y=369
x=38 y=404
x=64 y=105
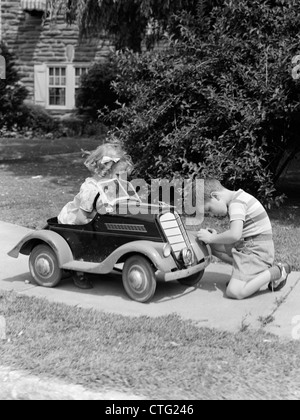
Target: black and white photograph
x=150 y=203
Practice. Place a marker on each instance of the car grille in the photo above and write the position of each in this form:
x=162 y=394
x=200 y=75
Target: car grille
x=175 y=232
x=126 y=227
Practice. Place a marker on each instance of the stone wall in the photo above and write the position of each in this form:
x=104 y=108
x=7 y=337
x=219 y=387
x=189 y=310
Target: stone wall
x=34 y=42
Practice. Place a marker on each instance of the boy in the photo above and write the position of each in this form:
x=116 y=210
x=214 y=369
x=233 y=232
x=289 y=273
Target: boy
x=248 y=244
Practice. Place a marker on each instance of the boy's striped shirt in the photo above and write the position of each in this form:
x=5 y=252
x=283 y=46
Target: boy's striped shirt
x=247 y=208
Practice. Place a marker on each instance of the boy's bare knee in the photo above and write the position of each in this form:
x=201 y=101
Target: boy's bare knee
x=235 y=293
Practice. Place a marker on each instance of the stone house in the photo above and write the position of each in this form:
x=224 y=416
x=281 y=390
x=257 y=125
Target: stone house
x=49 y=55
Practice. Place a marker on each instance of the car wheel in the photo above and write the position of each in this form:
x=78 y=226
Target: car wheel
x=139 y=279
x=44 y=268
x=192 y=280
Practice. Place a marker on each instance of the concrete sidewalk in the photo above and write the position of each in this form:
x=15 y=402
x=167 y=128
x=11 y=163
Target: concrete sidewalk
x=278 y=313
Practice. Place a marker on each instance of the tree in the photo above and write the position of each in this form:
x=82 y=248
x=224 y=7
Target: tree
x=96 y=90
x=12 y=92
x=125 y=21
x=218 y=102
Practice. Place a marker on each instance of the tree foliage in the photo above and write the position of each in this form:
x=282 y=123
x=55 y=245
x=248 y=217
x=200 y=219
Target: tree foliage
x=220 y=101
x=96 y=90
x=12 y=92
x=124 y=20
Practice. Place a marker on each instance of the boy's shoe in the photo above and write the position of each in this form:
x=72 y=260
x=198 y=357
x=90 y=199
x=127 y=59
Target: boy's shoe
x=82 y=282
x=277 y=285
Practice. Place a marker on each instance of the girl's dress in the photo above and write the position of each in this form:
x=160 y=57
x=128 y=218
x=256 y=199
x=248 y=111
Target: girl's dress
x=84 y=200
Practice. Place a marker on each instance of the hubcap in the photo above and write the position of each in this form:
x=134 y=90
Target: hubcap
x=43 y=266
x=137 y=279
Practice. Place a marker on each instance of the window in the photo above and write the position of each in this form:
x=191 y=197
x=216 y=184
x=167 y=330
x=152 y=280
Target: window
x=57 y=86
x=79 y=72
x=2 y=67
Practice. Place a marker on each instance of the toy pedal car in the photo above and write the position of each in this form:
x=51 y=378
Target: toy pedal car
x=150 y=241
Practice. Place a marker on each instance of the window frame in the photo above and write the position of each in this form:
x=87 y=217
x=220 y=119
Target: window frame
x=70 y=86
x=62 y=75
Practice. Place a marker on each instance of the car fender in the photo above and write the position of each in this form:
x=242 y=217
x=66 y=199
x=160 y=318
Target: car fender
x=48 y=237
x=151 y=250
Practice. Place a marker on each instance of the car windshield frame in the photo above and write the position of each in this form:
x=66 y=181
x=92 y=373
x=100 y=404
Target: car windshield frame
x=115 y=190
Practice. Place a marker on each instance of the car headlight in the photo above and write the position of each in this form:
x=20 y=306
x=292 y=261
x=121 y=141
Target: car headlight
x=167 y=250
x=187 y=256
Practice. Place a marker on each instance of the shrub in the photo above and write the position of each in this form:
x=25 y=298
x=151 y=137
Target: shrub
x=96 y=92
x=36 y=118
x=220 y=101
x=12 y=92
x=15 y=115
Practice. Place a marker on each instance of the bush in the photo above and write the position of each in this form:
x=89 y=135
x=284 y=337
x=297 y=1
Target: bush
x=12 y=92
x=220 y=101
x=16 y=116
x=96 y=92
x=37 y=119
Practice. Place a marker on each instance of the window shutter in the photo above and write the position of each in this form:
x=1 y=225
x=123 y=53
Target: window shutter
x=40 y=85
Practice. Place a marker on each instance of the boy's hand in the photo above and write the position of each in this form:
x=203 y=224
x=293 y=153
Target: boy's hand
x=206 y=235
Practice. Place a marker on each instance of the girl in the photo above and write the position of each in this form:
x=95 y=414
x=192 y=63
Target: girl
x=106 y=162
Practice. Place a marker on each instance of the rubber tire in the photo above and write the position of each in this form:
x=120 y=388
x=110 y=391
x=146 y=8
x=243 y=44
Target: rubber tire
x=50 y=280
x=192 y=280
x=146 y=269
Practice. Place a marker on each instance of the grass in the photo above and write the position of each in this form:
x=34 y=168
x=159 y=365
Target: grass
x=162 y=358
x=30 y=149
x=35 y=188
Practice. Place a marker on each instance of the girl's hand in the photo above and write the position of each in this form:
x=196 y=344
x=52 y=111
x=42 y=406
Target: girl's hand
x=213 y=231
x=206 y=235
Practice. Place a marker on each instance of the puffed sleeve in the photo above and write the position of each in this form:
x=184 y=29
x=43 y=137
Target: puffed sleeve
x=87 y=195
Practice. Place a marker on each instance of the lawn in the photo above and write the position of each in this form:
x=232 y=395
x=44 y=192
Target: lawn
x=161 y=358
x=164 y=358
x=44 y=176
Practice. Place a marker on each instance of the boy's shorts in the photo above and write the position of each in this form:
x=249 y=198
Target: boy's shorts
x=252 y=256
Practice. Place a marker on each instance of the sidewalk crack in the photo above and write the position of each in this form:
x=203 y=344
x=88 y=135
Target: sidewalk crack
x=269 y=319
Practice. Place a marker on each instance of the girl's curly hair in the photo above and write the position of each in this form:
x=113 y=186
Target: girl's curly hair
x=120 y=162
